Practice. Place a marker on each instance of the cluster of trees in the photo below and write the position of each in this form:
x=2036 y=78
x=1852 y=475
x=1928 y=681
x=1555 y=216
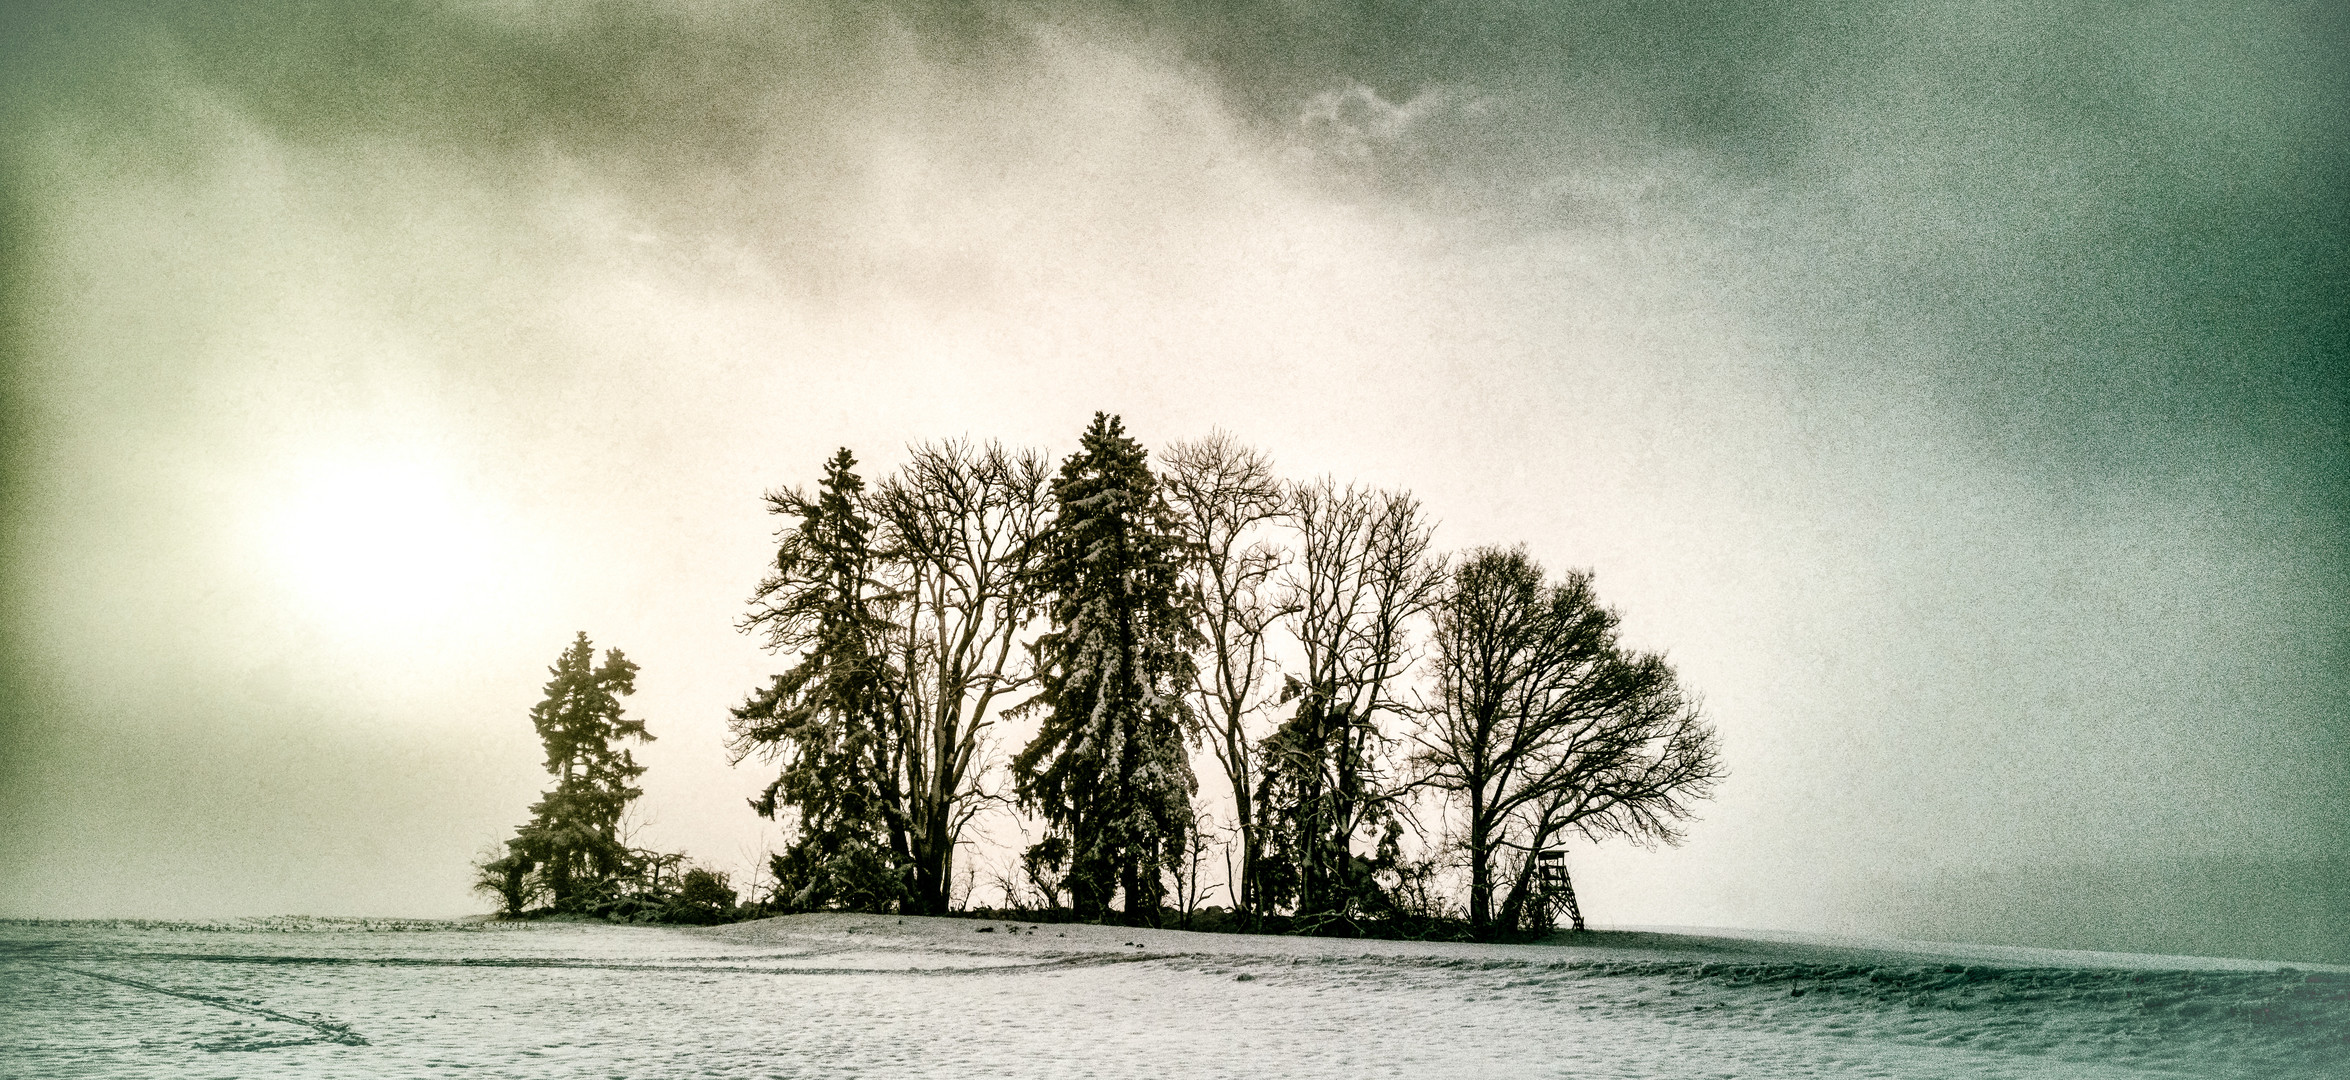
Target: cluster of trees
x=1376 y=718
x=1352 y=688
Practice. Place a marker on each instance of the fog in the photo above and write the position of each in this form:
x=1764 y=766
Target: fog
x=1955 y=392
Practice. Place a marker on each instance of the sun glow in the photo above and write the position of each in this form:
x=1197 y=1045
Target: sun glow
x=383 y=541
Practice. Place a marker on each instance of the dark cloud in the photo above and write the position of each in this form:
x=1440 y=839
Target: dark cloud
x=2113 y=232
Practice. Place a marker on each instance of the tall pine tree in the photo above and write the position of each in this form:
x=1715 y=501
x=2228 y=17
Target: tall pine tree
x=827 y=719
x=571 y=852
x=1108 y=769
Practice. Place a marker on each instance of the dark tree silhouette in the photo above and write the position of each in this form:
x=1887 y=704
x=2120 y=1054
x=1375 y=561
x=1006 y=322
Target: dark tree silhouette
x=1107 y=769
x=571 y=852
x=1363 y=577
x=906 y=610
x=1544 y=725
x=958 y=532
x=1225 y=495
x=828 y=720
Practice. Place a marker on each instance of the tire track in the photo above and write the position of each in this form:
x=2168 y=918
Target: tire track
x=560 y=963
x=328 y=1030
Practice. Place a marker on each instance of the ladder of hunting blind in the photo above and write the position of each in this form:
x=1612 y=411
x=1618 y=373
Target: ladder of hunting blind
x=1556 y=888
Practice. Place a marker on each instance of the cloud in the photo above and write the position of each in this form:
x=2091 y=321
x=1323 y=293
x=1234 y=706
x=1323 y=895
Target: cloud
x=1353 y=123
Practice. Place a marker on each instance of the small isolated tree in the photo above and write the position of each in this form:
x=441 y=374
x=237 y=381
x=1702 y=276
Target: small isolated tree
x=1544 y=725
x=571 y=853
x=1044 y=864
x=1191 y=885
x=1107 y=769
x=500 y=872
x=826 y=720
x=1225 y=496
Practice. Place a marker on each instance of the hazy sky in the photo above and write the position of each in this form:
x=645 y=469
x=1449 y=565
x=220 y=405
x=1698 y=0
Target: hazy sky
x=1956 y=392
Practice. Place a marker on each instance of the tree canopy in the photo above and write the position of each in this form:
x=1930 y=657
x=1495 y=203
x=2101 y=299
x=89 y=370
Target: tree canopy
x=1227 y=500
x=1363 y=578
x=1545 y=725
x=959 y=527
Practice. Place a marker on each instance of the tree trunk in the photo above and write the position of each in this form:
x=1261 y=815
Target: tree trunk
x=1251 y=855
x=1513 y=910
x=1130 y=879
x=1244 y=890
x=934 y=868
x=1480 y=864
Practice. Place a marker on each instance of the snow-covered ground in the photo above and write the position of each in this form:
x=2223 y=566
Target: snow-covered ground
x=841 y=995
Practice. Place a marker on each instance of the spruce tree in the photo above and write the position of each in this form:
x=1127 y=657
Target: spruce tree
x=826 y=720
x=1108 y=769
x=571 y=852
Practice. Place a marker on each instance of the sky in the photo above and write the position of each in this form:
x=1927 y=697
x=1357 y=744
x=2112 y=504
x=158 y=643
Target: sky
x=1954 y=392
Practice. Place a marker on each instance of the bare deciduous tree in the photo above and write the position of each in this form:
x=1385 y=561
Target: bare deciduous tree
x=1544 y=725
x=1224 y=496
x=1363 y=576
x=958 y=527
x=1191 y=887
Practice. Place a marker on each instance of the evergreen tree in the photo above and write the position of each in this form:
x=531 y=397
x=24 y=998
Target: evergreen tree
x=571 y=852
x=826 y=720
x=1108 y=768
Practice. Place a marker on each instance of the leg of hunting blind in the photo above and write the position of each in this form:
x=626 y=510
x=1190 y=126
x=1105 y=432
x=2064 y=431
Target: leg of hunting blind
x=1567 y=895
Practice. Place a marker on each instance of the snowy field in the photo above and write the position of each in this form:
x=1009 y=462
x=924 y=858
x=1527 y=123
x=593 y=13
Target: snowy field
x=875 y=996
